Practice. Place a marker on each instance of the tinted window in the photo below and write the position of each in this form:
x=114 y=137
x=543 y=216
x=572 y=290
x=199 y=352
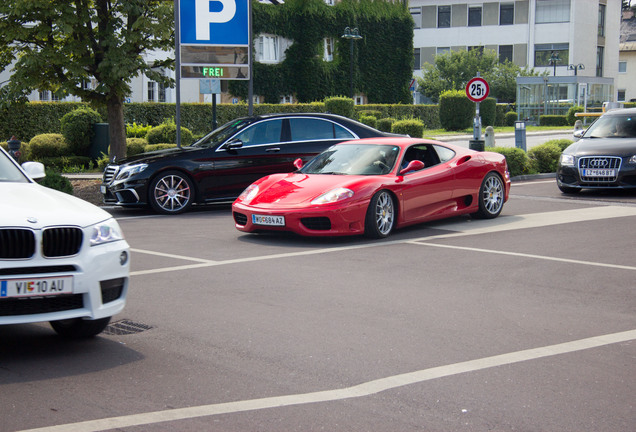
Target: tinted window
x=265 y=132
x=506 y=14
x=443 y=16
x=306 y=129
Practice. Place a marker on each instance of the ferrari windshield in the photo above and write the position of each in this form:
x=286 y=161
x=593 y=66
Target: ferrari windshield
x=9 y=172
x=613 y=126
x=354 y=159
x=222 y=133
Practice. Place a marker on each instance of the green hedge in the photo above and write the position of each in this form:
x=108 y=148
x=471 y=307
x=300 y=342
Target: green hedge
x=456 y=111
x=553 y=120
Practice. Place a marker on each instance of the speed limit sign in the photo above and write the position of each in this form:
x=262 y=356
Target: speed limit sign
x=477 y=89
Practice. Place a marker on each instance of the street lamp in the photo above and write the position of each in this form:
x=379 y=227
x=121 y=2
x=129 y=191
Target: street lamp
x=554 y=58
x=577 y=68
x=351 y=35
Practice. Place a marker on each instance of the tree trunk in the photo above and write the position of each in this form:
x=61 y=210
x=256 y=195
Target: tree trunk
x=116 y=129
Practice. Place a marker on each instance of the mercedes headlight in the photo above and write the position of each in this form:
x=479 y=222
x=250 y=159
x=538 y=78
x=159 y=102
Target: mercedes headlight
x=130 y=170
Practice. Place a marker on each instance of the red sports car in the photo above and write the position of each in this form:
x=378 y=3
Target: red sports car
x=371 y=186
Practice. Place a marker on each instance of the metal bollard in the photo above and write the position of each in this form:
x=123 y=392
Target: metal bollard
x=490 y=136
x=520 y=135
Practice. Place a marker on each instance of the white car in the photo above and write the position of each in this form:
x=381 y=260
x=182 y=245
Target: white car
x=62 y=259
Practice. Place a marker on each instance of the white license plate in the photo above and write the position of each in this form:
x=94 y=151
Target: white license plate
x=599 y=173
x=36 y=287
x=102 y=189
x=268 y=220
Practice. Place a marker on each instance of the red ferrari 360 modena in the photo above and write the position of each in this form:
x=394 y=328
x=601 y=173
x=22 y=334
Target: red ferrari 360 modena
x=371 y=186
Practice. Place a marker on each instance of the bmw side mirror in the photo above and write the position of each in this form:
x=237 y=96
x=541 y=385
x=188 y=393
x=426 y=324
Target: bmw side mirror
x=298 y=163
x=35 y=170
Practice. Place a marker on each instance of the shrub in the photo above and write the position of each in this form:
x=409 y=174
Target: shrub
x=510 y=118
x=488 y=111
x=135 y=146
x=385 y=124
x=563 y=143
x=49 y=145
x=77 y=128
x=57 y=181
x=155 y=147
x=573 y=110
x=411 y=127
x=545 y=157
x=167 y=133
x=340 y=105
x=456 y=111
x=517 y=159
x=67 y=163
x=137 y=131
x=369 y=113
x=369 y=120
x=553 y=120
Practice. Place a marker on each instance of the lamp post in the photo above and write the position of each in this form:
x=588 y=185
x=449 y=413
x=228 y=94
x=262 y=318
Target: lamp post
x=577 y=68
x=554 y=58
x=351 y=35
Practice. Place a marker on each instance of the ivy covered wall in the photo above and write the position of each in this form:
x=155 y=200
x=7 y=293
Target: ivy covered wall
x=383 y=58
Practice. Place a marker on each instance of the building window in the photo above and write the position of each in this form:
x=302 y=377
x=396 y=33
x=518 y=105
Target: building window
x=479 y=48
x=330 y=2
x=622 y=67
x=358 y=100
x=601 y=20
x=506 y=13
x=328 y=49
x=621 y=96
x=443 y=16
x=162 y=93
x=552 y=11
x=287 y=99
x=474 y=16
x=543 y=53
x=151 y=91
x=442 y=50
x=268 y=49
x=416 y=13
x=44 y=95
x=505 y=53
x=600 y=53
x=417 y=62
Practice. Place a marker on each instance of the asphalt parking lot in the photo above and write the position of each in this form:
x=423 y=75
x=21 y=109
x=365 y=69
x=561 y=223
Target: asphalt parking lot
x=526 y=322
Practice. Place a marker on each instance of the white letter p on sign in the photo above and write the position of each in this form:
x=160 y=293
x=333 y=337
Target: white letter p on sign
x=204 y=17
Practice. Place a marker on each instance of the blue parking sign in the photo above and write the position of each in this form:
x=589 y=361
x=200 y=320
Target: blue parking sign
x=214 y=22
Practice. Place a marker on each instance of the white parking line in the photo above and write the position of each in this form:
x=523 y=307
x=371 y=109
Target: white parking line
x=361 y=390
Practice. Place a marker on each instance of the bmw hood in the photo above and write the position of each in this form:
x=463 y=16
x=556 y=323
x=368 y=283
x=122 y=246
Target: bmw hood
x=625 y=147
x=36 y=206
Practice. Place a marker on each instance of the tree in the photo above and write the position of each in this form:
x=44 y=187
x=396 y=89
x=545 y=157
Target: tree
x=58 y=45
x=453 y=70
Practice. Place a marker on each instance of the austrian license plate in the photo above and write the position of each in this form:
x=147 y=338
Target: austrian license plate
x=268 y=220
x=36 y=287
x=599 y=172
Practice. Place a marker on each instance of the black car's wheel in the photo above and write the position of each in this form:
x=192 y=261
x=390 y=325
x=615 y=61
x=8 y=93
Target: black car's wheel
x=171 y=192
x=78 y=328
x=491 y=197
x=568 y=190
x=380 y=218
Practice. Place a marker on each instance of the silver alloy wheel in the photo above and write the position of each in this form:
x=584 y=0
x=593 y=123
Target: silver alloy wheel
x=493 y=194
x=384 y=213
x=172 y=193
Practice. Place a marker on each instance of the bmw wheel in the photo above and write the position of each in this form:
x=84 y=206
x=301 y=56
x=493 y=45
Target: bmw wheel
x=171 y=192
x=380 y=218
x=491 y=197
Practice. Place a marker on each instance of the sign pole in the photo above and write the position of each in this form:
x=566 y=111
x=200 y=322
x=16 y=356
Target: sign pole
x=477 y=90
x=177 y=70
x=250 y=85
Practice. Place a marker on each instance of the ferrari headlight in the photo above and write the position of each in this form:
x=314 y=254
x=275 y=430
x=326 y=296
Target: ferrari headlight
x=130 y=170
x=333 y=196
x=105 y=232
x=249 y=193
x=566 y=160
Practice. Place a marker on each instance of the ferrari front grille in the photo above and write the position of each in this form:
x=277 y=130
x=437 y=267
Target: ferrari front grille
x=240 y=218
x=317 y=223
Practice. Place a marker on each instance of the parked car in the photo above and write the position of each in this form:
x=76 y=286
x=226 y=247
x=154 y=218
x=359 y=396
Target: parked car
x=604 y=157
x=374 y=185
x=223 y=163
x=62 y=259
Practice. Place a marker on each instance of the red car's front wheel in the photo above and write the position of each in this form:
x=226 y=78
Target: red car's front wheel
x=380 y=218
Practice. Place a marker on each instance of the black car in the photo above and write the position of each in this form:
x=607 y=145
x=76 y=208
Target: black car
x=604 y=156
x=219 y=166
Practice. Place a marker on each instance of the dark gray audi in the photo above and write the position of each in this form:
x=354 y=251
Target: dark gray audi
x=218 y=167
x=604 y=157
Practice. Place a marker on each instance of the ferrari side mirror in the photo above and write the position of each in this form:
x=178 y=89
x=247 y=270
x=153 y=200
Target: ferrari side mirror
x=298 y=163
x=414 y=165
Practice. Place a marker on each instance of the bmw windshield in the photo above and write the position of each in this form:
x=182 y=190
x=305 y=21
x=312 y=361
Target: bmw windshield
x=9 y=172
x=613 y=126
x=354 y=159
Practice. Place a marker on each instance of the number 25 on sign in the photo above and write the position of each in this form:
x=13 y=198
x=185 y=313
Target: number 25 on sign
x=477 y=89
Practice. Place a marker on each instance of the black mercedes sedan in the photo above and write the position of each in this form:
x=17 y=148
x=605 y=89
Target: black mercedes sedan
x=604 y=156
x=218 y=167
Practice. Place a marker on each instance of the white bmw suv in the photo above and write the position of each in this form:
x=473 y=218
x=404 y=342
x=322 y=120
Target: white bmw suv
x=62 y=259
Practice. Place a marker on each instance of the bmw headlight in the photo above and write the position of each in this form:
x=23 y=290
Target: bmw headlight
x=249 y=193
x=333 y=196
x=566 y=160
x=127 y=171
x=105 y=232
